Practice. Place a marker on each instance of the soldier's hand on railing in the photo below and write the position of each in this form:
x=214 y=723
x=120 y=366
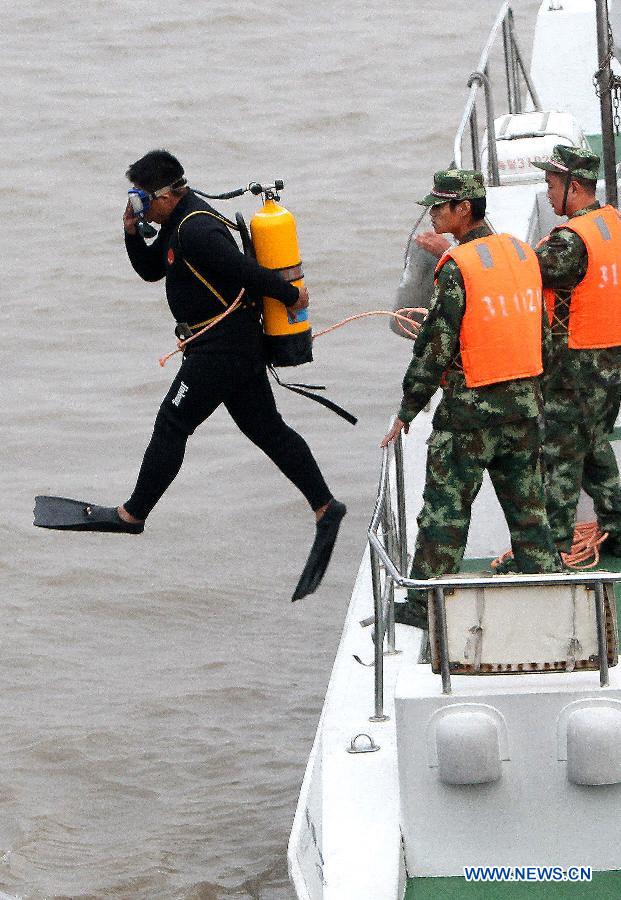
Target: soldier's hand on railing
x=397 y=427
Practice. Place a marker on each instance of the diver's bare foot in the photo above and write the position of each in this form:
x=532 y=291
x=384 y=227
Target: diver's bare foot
x=319 y=512
x=127 y=517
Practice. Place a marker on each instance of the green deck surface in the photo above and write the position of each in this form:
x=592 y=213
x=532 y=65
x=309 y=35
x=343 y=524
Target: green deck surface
x=604 y=886
x=595 y=140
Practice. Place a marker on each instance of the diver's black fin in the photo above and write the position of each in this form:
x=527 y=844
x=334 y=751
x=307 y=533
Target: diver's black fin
x=326 y=533
x=79 y=515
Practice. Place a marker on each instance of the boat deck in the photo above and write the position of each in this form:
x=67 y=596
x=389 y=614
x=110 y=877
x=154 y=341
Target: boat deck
x=604 y=885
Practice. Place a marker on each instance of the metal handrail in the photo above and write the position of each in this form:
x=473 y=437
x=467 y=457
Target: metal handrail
x=383 y=599
x=514 y=67
x=394 y=569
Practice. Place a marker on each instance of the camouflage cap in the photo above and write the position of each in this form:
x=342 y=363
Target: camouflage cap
x=581 y=163
x=454 y=184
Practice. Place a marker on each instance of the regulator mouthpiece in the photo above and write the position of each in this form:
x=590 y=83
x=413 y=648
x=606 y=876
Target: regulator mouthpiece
x=146 y=230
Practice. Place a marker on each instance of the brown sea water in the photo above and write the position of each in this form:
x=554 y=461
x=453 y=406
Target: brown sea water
x=160 y=693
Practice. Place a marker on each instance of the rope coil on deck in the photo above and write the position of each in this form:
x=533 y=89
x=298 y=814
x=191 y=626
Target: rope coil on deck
x=585 y=548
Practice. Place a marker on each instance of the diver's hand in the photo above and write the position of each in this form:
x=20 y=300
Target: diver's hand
x=301 y=302
x=434 y=243
x=130 y=219
x=397 y=427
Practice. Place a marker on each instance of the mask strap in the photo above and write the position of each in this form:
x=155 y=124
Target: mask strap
x=175 y=185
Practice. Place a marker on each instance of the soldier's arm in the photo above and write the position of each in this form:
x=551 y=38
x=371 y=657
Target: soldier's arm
x=437 y=342
x=147 y=259
x=547 y=347
x=562 y=260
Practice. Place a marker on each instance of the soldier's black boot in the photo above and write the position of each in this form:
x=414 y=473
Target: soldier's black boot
x=414 y=610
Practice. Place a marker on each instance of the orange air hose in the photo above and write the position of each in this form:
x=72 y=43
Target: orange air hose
x=407 y=325
x=181 y=345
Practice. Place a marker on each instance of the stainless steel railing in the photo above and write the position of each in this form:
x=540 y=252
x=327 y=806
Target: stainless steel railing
x=389 y=568
x=515 y=71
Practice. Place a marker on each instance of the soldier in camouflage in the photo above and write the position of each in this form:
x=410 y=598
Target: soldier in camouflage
x=581 y=387
x=496 y=427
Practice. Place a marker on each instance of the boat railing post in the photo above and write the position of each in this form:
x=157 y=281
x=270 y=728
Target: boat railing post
x=492 y=155
x=602 y=640
x=532 y=90
x=515 y=53
x=509 y=64
x=474 y=140
x=401 y=507
x=389 y=528
x=379 y=638
x=440 y=613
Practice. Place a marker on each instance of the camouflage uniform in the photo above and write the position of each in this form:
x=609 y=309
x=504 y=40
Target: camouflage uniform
x=581 y=387
x=495 y=427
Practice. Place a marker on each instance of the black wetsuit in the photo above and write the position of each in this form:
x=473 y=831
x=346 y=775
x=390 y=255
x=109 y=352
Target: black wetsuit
x=226 y=364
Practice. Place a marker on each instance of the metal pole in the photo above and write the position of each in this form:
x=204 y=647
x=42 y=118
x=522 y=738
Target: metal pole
x=509 y=65
x=379 y=639
x=401 y=513
x=603 y=77
x=602 y=641
x=440 y=611
x=514 y=63
x=534 y=96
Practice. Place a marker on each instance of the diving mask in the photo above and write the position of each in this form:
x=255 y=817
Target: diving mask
x=140 y=202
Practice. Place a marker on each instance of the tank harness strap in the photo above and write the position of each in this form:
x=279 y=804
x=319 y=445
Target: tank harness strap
x=195 y=272
x=206 y=212
x=201 y=324
x=303 y=389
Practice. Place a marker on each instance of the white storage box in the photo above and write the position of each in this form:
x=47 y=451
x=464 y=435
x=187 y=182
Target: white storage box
x=520 y=629
x=527 y=137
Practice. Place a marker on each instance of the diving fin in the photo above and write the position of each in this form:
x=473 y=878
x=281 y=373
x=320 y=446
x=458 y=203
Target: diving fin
x=64 y=514
x=326 y=533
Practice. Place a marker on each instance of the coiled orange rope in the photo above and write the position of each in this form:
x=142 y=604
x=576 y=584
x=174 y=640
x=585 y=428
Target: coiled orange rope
x=585 y=548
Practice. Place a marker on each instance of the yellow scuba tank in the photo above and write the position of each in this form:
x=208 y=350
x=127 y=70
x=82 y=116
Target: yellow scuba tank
x=288 y=335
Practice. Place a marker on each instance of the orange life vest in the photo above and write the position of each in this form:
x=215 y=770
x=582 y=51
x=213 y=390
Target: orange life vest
x=595 y=306
x=500 y=337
